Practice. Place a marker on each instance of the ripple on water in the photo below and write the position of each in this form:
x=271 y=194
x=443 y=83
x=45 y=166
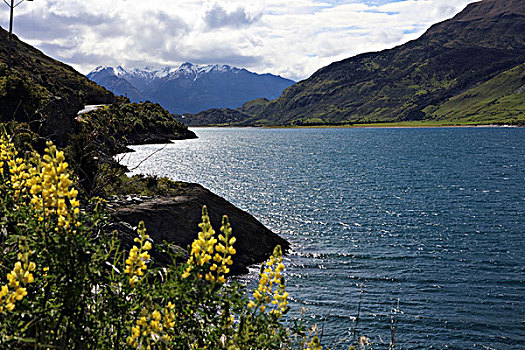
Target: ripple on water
x=432 y=219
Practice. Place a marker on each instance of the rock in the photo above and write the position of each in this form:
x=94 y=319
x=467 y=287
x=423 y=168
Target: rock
x=175 y=219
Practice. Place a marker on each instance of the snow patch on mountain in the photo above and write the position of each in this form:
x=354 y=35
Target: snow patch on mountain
x=190 y=87
x=150 y=74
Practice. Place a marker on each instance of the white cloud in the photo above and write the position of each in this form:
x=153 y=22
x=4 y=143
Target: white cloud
x=218 y=17
x=290 y=38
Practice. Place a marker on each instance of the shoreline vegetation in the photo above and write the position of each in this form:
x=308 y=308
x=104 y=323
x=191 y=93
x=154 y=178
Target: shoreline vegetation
x=71 y=285
x=423 y=124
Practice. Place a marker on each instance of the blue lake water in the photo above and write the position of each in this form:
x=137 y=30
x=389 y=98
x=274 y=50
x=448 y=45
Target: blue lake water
x=432 y=219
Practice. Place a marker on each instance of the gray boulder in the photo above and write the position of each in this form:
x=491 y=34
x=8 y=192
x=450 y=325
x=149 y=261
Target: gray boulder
x=175 y=219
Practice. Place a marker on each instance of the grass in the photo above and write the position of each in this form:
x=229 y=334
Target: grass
x=411 y=124
x=500 y=99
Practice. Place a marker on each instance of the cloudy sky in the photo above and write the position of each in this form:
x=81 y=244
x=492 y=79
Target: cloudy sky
x=292 y=38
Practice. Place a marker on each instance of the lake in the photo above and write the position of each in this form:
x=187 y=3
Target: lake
x=430 y=219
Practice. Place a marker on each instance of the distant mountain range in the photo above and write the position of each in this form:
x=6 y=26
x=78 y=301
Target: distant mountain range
x=465 y=70
x=190 y=88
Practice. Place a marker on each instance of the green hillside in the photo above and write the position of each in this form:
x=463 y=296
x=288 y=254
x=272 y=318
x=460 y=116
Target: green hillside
x=501 y=99
x=43 y=92
x=39 y=101
x=48 y=76
x=484 y=40
x=416 y=81
x=47 y=95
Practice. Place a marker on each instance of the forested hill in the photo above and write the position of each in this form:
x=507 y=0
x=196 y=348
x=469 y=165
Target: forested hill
x=44 y=96
x=52 y=77
x=417 y=80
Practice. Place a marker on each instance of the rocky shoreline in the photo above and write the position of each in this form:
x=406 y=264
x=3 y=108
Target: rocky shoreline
x=175 y=219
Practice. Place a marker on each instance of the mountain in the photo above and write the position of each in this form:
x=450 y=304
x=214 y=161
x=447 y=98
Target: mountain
x=424 y=79
x=190 y=88
x=109 y=78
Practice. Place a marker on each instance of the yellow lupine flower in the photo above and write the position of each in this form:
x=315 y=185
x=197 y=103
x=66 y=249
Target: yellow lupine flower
x=265 y=293
x=209 y=254
x=152 y=327
x=20 y=275
x=138 y=256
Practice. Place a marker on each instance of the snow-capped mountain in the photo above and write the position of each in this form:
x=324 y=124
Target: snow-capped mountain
x=190 y=88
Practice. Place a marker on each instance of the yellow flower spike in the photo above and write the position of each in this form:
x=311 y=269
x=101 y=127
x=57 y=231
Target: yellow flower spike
x=20 y=275
x=271 y=290
x=138 y=256
x=152 y=327
x=210 y=254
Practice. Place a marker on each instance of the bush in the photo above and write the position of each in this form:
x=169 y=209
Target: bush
x=69 y=285
x=19 y=98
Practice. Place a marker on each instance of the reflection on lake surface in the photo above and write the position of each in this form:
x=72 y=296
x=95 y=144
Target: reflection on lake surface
x=430 y=217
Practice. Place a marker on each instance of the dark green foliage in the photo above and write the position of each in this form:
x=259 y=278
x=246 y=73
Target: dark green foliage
x=225 y=116
x=141 y=185
x=121 y=124
x=216 y=117
x=82 y=155
x=45 y=73
x=25 y=140
x=20 y=98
